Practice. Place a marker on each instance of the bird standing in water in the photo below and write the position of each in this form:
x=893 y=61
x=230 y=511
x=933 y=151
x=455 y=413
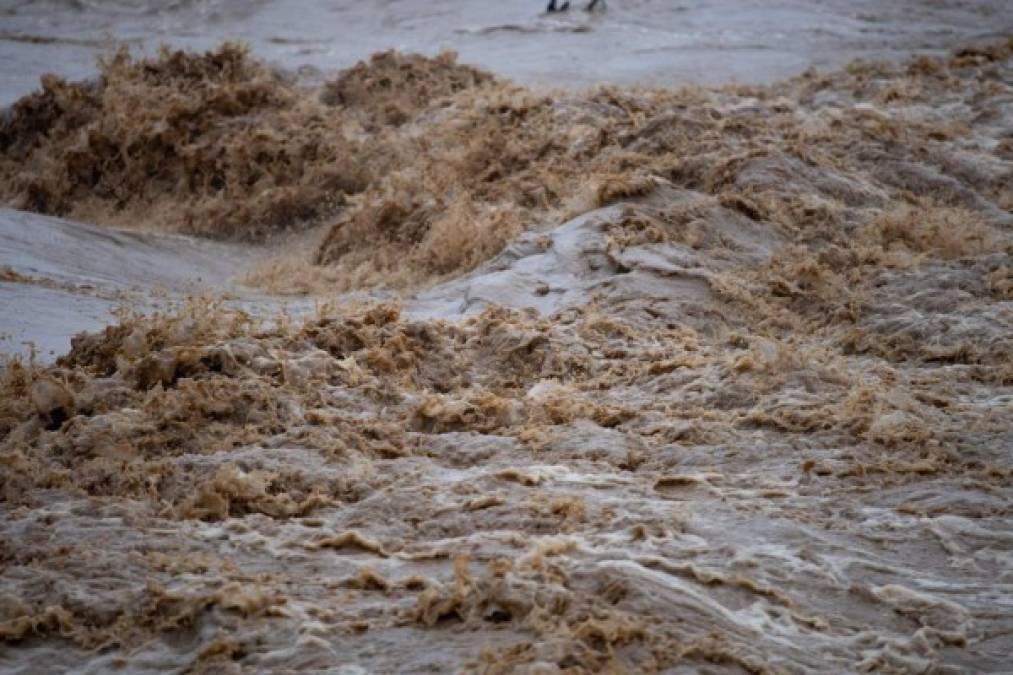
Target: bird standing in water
x=566 y=5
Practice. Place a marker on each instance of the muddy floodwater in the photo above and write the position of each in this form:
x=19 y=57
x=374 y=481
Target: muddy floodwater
x=662 y=42
x=664 y=339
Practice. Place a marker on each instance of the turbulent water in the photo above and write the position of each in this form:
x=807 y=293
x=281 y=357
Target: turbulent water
x=416 y=369
x=635 y=41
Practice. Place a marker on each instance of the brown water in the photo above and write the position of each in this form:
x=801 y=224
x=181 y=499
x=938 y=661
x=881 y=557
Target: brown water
x=635 y=41
x=659 y=381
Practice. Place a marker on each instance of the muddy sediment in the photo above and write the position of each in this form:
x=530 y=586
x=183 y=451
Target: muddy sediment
x=212 y=144
x=708 y=379
x=424 y=168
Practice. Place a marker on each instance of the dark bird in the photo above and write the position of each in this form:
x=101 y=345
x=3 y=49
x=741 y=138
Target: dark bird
x=553 y=7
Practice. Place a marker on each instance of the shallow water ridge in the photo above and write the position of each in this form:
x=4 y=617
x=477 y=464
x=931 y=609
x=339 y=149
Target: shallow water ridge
x=626 y=380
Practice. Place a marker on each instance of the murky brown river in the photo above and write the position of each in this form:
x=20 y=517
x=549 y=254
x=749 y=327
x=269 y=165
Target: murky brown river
x=393 y=364
x=633 y=42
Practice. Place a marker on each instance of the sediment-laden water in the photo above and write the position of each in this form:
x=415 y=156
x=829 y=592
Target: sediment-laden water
x=613 y=380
